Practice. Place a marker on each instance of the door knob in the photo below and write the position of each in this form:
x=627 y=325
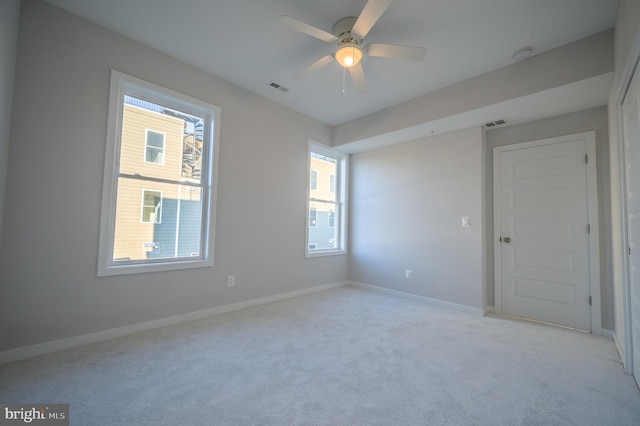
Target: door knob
x=506 y=240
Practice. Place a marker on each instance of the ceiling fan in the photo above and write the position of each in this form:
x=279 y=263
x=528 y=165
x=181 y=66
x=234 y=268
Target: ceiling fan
x=348 y=35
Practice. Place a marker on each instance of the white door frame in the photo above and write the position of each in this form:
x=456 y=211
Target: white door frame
x=592 y=211
x=618 y=95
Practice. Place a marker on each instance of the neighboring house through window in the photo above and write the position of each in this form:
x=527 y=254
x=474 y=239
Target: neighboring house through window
x=161 y=147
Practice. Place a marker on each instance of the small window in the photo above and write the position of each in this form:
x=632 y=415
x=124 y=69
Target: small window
x=326 y=203
x=154 y=147
x=151 y=206
x=313 y=218
x=157 y=218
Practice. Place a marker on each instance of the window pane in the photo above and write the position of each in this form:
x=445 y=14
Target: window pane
x=171 y=220
x=155 y=139
x=169 y=141
x=324 y=233
x=324 y=167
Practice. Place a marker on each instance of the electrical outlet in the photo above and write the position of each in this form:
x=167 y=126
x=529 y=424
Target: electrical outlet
x=408 y=274
x=231 y=280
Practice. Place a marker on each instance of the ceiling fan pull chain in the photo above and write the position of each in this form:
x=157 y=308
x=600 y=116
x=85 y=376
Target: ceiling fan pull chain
x=344 y=80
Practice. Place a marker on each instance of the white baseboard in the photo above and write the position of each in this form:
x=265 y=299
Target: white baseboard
x=612 y=335
x=609 y=333
x=72 y=342
x=489 y=310
x=436 y=302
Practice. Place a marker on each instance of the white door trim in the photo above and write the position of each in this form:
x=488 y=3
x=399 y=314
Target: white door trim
x=594 y=240
x=618 y=94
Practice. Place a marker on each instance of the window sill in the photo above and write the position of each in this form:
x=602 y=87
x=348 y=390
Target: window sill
x=323 y=253
x=127 y=269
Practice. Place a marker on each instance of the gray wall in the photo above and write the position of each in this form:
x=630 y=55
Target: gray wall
x=592 y=119
x=49 y=250
x=407 y=202
x=9 y=18
x=413 y=196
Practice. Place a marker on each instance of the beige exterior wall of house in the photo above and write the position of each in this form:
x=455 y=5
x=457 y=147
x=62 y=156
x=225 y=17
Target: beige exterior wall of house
x=324 y=169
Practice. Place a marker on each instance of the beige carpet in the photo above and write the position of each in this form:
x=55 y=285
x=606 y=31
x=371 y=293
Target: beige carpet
x=342 y=357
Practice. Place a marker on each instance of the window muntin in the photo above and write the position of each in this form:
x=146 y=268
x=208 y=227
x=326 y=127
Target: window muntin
x=154 y=147
x=326 y=204
x=172 y=226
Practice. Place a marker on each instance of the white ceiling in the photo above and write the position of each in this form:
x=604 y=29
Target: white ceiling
x=241 y=42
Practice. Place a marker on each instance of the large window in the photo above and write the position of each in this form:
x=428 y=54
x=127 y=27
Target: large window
x=326 y=203
x=159 y=193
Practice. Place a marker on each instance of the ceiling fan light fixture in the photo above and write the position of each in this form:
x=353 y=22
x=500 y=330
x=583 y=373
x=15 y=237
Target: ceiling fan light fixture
x=349 y=56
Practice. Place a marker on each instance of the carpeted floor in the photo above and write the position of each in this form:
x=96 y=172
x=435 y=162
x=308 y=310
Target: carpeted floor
x=342 y=357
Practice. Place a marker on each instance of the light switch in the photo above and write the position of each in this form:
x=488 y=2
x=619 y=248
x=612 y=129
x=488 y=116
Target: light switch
x=466 y=222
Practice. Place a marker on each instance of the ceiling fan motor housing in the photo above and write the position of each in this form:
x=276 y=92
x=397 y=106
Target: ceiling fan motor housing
x=342 y=30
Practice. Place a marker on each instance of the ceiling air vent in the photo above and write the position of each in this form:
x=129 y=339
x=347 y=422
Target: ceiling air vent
x=279 y=87
x=494 y=123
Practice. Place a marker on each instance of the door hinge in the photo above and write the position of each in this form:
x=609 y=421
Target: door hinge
x=500 y=239
x=590 y=302
x=588 y=228
x=586 y=159
x=629 y=251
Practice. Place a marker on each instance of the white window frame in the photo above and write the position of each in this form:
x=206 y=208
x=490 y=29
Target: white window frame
x=122 y=84
x=313 y=180
x=341 y=206
x=146 y=146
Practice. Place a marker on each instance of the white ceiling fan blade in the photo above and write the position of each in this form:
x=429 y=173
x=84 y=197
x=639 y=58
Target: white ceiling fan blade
x=358 y=78
x=303 y=27
x=325 y=60
x=372 y=11
x=396 y=51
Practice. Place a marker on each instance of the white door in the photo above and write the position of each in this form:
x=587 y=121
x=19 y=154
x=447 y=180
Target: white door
x=631 y=117
x=544 y=246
